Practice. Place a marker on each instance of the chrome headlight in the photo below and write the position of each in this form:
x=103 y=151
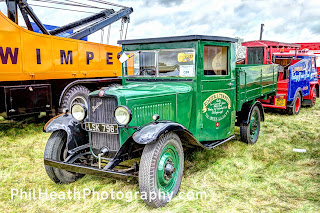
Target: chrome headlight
x=79 y=112
x=123 y=115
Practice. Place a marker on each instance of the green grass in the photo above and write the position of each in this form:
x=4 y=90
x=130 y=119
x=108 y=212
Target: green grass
x=267 y=176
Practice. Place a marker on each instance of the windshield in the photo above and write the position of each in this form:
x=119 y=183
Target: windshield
x=160 y=63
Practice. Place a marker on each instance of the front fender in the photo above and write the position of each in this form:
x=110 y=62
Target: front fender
x=152 y=131
x=76 y=136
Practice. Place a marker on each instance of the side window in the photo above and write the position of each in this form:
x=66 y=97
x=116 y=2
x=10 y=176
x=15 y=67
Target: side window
x=255 y=55
x=215 y=60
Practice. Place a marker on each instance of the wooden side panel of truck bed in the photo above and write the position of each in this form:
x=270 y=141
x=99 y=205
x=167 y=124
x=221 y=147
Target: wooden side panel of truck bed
x=255 y=81
x=25 y=55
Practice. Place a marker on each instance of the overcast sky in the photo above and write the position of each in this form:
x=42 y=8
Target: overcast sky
x=285 y=20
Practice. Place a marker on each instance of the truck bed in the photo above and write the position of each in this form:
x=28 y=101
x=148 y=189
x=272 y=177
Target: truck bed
x=255 y=81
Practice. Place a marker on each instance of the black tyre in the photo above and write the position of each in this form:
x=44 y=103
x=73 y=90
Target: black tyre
x=249 y=133
x=295 y=109
x=76 y=94
x=161 y=169
x=314 y=97
x=56 y=150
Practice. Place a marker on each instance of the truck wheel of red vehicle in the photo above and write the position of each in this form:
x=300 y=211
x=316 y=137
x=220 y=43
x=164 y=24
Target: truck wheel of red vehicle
x=77 y=94
x=314 y=97
x=56 y=150
x=160 y=170
x=249 y=133
x=295 y=109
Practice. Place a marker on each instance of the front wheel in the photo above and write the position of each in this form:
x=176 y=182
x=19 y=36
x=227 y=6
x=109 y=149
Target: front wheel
x=56 y=150
x=249 y=133
x=161 y=169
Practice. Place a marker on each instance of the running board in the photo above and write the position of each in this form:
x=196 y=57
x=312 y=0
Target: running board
x=214 y=144
x=86 y=169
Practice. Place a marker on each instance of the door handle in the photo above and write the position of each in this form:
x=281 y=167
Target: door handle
x=231 y=84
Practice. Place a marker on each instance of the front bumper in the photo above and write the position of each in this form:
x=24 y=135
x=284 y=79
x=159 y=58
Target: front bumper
x=86 y=169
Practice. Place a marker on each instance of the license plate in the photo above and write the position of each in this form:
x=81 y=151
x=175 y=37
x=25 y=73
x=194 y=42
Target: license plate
x=280 y=102
x=102 y=128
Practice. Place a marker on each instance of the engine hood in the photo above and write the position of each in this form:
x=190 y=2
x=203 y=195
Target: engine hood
x=170 y=100
x=133 y=91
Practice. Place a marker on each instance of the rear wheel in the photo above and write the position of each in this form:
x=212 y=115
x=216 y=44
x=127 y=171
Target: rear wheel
x=161 y=170
x=77 y=94
x=295 y=109
x=56 y=150
x=249 y=133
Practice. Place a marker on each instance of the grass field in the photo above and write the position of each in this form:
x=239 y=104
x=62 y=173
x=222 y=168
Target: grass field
x=267 y=176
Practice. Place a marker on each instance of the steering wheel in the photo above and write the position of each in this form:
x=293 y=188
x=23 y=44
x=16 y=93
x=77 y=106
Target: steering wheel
x=147 y=71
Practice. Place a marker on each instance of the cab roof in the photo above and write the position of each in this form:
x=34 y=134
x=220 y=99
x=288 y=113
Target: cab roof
x=265 y=43
x=293 y=54
x=178 y=39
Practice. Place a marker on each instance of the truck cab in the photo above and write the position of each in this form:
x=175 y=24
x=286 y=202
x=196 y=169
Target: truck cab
x=177 y=93
x=297 y=82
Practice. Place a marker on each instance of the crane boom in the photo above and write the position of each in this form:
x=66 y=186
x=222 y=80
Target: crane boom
x=81 y=22
x=123 y=13
x=91 y=24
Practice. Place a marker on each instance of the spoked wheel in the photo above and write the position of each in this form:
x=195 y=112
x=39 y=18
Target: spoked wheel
x=161 y=170
x=314 y=97
x=295 y=109
x=77 y=94
x=56 y=150
x=79 y=100
x=249 y=133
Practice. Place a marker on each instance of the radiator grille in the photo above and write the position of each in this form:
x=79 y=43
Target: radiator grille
x=101 y=111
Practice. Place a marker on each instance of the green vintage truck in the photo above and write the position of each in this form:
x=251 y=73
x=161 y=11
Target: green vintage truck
x=178 y=93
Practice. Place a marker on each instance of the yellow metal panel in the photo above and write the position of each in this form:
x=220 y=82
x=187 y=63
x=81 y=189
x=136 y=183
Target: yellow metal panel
x=65 y=56
x=10 y=43
x=37 y=56
x=89 y=58
x=111 y=66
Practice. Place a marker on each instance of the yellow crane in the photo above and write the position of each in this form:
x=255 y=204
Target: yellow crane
x=45 y=72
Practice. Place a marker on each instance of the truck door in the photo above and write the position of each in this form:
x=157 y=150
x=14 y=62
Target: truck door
x=218 y=87
x=300 y=73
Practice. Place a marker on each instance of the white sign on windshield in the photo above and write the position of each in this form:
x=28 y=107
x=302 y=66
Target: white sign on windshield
x=186 y=70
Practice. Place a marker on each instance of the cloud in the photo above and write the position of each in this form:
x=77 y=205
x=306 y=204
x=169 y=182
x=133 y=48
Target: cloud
x=287 y=20
x=167 y=3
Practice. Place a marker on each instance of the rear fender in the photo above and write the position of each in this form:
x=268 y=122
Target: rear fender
x=246 y=111
x=76 y=136
x=298 y=91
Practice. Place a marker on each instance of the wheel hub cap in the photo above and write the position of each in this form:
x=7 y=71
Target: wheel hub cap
x=297 y=104
x=254 y=129
x=167 y=169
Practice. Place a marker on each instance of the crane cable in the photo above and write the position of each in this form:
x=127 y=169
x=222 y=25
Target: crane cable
x=107 y=3
x=61 y=8
x=76 y=4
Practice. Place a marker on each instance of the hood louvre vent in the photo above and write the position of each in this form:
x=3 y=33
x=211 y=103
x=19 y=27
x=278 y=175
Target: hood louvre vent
x=143 y=114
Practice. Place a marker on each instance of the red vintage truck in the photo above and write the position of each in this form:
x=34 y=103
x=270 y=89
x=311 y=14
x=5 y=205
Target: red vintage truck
x=298 y=82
